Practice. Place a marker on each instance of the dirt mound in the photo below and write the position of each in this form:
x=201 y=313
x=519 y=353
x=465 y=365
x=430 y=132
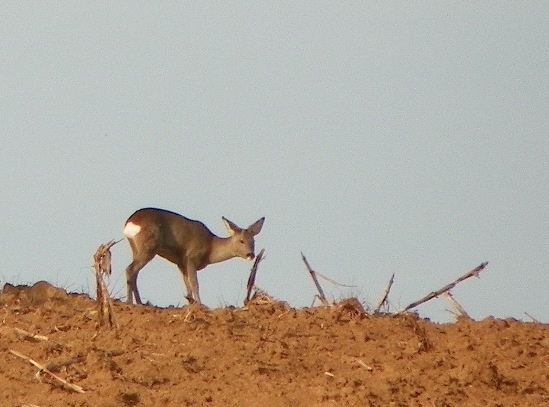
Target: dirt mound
x=266 y=354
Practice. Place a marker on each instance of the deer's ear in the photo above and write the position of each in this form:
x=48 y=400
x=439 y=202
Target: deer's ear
x=231 y=227
x=255 y=228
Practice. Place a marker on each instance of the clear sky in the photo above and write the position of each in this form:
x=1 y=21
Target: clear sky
x=376 y=137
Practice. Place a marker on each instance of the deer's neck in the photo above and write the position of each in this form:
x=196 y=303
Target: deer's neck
x=221 y=250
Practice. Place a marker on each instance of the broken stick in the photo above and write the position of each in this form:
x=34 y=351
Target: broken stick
x=460 y=310
x=30 y=336
x=321 y=295
x=446 y=288
x=62 y=382
x=251 y=278
x=102 y=265
x=384 y=300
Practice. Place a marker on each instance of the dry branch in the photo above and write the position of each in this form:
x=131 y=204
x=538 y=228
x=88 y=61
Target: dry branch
x=58 y=380
x=475 y=272
x=460 y=310
x=102 y=265
x=30 y=336
x=384 y=300
x=102 y=258
x=251 y=278
x=321 y=295
x=361 y=363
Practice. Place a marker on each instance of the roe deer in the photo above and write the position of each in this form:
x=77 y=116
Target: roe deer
x=187 y=243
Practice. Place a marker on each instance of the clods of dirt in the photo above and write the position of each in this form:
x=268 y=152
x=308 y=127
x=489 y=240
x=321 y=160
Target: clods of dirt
x=265 y=354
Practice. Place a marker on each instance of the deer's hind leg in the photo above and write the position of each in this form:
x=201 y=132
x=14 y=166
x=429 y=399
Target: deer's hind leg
x=140 y=260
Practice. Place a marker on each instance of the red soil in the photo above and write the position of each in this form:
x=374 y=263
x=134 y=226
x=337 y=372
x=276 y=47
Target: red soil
x=262 y=355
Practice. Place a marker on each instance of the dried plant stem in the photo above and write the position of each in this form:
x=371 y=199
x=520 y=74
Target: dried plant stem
x=102 y=265
x=30 y=336
x=384 y=300
x=448 y=287
x=321 y=295
x=62 y=382
x=253 y=273
x=328 y=279
x=361 y=363
x=460 y=310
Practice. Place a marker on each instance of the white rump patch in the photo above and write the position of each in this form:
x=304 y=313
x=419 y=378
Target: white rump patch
x=131 y=229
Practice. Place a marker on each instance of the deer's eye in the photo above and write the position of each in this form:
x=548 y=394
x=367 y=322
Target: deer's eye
x=242 y=241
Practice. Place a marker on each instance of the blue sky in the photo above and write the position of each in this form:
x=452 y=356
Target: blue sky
x=376 y=137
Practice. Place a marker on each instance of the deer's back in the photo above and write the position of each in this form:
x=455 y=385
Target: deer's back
x=173 y=235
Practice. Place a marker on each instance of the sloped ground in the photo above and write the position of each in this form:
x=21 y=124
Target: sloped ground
x=263 y=355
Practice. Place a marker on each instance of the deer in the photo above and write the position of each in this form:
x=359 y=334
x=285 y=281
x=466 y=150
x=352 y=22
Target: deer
x=187 y=243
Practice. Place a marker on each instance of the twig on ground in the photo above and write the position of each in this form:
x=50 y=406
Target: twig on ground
x=321 y=295
x=61 y=382
x=361 y=363
x=385 y=299
x=189 y=317
x=460 y=310
x=251 y=278
x=102 y=265
x=475 y=272
x=30 y=336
